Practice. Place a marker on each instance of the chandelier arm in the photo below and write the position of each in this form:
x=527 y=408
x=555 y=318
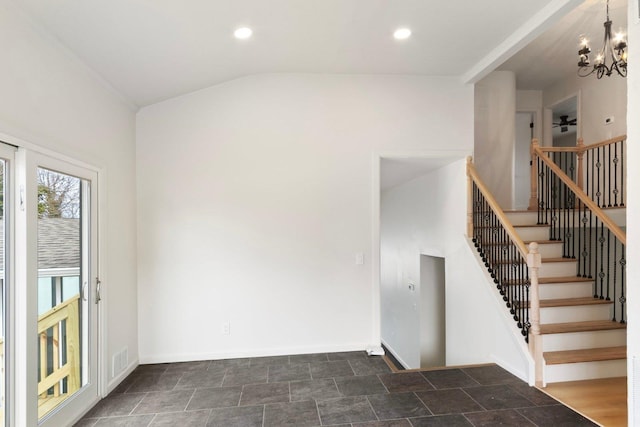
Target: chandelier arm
x=608 y=51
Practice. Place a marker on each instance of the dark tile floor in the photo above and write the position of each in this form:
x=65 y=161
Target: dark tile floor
x=335 y=389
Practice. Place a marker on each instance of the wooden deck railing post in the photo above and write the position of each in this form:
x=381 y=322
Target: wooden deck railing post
x=580 y=161
x=533 y=199
x=469 y=200
x=64 y=313
x=534 y=261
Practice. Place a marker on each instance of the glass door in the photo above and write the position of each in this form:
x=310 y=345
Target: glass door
x=6 y=157
x=65 y=277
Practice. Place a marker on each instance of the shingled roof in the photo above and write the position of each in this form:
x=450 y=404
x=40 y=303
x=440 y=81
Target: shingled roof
x=58 y=243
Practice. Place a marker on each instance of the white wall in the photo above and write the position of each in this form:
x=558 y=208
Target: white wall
x=598 y=99
x=479 y=326
x=428 y=216
x=495 y=109
x=49 y=99
x=633 y=217
x=254 y=197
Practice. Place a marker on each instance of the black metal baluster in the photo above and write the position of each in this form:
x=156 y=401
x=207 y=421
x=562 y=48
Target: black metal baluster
x=609 y=169
x=528 y=305
x=589 y=174
x=622 y=194
x=615 y=175
x=615 y=276
x=583 y=233
x=601 y=274
x=590 y=258
x=608 y=298
x=598 y=167
x=623 y=299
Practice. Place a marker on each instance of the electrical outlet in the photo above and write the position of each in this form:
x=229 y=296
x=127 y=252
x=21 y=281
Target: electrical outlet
x=226 y=328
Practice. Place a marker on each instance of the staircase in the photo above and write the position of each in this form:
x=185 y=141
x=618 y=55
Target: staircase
x=579 y=338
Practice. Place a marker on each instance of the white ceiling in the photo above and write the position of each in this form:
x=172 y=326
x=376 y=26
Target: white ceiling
x=397 y=171
x=151 y=50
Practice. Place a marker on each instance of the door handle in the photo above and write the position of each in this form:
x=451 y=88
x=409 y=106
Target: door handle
x=84 y=291
x=98 y=289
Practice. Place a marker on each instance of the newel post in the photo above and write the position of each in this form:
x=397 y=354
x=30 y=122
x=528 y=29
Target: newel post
x=581 y=150
x=533 y=200
x=469 y=199
x=534 y=260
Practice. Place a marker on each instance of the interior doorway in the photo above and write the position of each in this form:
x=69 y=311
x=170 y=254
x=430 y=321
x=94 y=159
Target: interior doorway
x=432 y=312
x=562 y=122
x=522 y=159
x=564 y=128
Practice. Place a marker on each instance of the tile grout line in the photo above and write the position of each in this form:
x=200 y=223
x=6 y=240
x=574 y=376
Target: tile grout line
x=190 y=399
x=471 y=397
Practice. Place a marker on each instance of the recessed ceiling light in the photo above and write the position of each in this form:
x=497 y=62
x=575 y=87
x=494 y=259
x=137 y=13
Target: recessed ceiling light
x=243 y=33
x=402 y=34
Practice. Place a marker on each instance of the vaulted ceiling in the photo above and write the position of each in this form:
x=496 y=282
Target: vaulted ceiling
x=151 y=50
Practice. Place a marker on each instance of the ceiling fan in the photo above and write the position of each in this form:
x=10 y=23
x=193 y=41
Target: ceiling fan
x=564 y=123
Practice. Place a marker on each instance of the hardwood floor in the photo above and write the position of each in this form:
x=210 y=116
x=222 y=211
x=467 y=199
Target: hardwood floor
x=604 y=401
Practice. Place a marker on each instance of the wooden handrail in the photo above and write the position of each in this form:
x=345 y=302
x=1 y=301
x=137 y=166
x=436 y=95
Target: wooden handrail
x=581 y=148
x=617 y=231
x=473 y=174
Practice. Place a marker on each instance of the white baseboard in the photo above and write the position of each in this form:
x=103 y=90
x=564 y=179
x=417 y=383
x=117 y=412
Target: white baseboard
x=115 y=382
x=281 y=351
x=395 y=355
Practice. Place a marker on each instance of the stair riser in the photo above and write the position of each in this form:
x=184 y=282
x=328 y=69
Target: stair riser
x=585 y=371
x=522 y=218
x=550 y=250
x=533 y=233
x=557 y=269
x=582 y=340
x=566 y=290
x=575 y=314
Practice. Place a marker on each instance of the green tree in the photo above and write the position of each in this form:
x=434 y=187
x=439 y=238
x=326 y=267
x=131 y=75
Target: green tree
x=58 y=195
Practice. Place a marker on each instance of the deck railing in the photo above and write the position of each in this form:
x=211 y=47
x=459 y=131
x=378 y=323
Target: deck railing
x=58 y=354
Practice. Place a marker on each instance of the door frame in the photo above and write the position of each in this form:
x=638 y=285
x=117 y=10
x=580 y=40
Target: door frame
x=8 y=153
x=28 y=158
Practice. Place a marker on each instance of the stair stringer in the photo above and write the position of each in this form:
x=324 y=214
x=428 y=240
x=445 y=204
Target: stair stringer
x=473 y=297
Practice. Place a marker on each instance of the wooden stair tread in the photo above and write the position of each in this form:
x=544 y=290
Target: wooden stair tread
x=559 y=260
x=539 y=242
x=585 y=355
x=552 y=280
x=565 y=279
x=532 y=225
x=570 y=302
x=591 y=325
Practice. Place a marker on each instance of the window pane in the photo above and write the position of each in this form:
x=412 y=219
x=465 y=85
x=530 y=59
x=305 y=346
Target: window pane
x=60 y=309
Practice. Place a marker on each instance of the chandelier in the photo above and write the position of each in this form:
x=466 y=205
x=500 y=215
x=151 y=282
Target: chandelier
x=613 y=49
